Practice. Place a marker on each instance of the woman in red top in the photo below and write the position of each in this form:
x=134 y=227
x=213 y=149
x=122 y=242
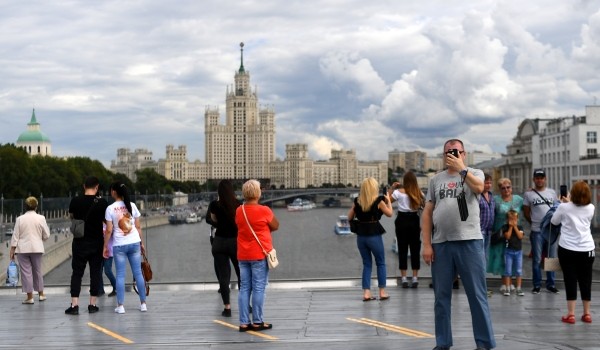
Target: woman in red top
x=254 y=271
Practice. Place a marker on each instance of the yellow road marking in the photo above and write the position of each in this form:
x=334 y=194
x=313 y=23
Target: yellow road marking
x=391 y=327
x=110 y=333
x=258 y=334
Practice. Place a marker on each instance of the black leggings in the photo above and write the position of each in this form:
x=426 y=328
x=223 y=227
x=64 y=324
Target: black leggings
x=577 y=268
x=224 y=250
x=408 y=234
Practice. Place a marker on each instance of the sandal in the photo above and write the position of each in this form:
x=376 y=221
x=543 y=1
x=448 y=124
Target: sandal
x=369 y=298
x=245 y=328
x=261 y=326
x=385 y=297
x=587 y=318
x=568 y=319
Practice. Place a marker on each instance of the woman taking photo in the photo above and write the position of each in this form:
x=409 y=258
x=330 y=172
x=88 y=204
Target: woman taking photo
x=576 y=248
x=29 y=234
x=368 y=208
x=123 y=225
x=224 y=246
x=410 y=199
x=253 y=219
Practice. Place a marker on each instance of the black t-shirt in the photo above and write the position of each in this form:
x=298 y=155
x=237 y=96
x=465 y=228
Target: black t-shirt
x=369 y=224
x=514 y=242
x=226 y=227
x=79 y=208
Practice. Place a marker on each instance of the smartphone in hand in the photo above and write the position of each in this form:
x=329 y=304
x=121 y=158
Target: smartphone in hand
x=453 y=152
x=563 y=191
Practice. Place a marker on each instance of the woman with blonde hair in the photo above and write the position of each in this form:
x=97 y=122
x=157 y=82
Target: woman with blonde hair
x=505 y=202
x=576 y=248
x=410 y=199
x=29 y=234
x=255 y=223
x=368 y=208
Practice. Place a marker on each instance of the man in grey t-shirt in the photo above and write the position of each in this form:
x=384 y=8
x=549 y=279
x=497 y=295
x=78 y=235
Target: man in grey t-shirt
x=454 y=245
x=536 y=203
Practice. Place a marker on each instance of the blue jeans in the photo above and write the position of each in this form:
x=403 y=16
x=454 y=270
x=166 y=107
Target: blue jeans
x=133 y=253
x=513 y=262
x=108 y=271
x=465 y=258
x=254 y=275
x=368 y=245
x=538 y=246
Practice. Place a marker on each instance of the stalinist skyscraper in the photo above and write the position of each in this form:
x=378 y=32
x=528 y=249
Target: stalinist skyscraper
x=245 y=146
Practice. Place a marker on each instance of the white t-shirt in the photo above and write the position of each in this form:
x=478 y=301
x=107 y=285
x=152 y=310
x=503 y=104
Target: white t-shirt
x=538 y=205
x=114 y=213
x=575 y=232
x=403 y=201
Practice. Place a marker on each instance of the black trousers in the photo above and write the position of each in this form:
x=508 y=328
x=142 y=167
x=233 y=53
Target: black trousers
x=84 y=253
x=408 y=235
x=224 y=251
x=577 y=269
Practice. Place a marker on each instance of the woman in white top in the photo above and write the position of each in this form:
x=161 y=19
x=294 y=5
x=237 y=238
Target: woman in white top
x=123 y=226
x=410 y=199
x=576 y=248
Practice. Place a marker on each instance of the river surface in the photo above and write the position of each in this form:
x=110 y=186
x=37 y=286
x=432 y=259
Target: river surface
x=306 y=246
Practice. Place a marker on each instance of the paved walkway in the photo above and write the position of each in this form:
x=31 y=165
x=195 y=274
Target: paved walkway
x=305 y=314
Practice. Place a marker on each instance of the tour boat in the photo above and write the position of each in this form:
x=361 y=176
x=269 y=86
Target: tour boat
x=342 y=226
x=300 y=204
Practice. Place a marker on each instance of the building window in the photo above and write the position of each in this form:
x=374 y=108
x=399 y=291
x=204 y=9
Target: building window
x=591 y=137
x=592 y=153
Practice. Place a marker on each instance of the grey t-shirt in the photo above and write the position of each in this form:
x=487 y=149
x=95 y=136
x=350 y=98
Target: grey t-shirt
x=447 y=226
x=538 y=205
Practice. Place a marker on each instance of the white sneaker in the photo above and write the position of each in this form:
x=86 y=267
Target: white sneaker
x=512 y=288
x=120 y=309
x=143 y=307
x=502 y=289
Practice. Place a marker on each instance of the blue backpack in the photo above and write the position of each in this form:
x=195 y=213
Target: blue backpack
x=549 y=231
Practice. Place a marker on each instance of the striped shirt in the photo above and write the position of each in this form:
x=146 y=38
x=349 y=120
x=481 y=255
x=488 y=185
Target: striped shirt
x=486 y=213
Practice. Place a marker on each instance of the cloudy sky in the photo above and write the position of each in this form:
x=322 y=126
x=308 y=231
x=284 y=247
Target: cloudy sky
x=368 y=75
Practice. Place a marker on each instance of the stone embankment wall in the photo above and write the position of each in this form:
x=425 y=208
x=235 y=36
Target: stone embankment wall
x=58 y=246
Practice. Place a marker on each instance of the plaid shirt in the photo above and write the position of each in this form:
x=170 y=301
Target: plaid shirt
x=486 y=213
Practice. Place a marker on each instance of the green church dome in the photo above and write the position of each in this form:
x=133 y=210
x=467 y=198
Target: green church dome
x=33 y=133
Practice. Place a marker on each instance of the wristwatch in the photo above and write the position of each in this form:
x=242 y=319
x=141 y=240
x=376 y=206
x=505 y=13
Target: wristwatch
x=463 y=172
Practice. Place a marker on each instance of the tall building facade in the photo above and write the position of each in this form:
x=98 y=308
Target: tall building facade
x=244 y=147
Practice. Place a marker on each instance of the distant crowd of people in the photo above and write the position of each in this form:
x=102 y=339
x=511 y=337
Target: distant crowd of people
x=459 y=228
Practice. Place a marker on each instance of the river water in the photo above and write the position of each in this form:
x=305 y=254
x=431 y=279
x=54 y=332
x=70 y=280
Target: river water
x=306 y=245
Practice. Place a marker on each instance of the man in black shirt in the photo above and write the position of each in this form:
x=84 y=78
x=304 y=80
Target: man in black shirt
x=87 y=249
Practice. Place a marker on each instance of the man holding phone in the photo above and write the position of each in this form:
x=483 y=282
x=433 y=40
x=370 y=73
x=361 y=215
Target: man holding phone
x=536 y=202
x=453 y=244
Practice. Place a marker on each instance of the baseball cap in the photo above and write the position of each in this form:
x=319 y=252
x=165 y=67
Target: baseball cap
x=539 y=173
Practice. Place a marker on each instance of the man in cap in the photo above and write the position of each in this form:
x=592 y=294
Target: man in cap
x=536 y=202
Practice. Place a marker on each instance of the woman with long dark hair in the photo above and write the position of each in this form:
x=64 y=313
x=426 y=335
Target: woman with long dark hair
x=123 y=225
x=410 y=199
x=224 y=246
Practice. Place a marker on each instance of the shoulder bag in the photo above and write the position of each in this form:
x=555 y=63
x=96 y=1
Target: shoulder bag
x=78 y=226
x=146 y=272
x=272 y=255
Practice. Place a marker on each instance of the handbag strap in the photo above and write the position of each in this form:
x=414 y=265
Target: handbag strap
x=90 y=209
x=254 y=233
x=544 y=199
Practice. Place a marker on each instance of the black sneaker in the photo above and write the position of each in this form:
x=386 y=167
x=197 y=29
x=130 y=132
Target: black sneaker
x=72 y=310
x=552 y=290
x=113 y=293
x=455 y=284
x=226 y=313
x=535 y=290
x=93 y=309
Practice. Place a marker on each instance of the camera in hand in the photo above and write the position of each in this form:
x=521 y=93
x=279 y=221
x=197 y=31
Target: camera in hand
x=453 y=152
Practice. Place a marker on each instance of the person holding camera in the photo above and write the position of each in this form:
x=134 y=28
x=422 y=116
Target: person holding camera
x=453 y=243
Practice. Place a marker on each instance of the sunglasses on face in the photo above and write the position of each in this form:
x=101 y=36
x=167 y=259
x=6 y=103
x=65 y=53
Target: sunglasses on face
x=504 y=188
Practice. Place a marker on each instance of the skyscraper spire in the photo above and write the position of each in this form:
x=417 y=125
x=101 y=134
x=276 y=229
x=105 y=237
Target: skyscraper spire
x=242 y=57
